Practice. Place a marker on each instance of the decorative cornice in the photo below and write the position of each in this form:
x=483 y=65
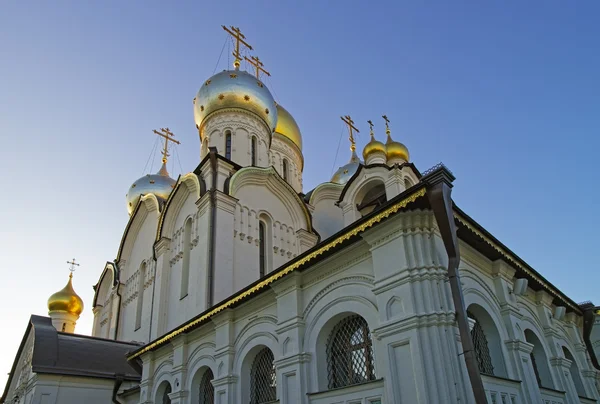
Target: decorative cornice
x=309 y=256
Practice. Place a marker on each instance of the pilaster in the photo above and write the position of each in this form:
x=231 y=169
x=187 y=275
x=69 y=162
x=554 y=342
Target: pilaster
x=224 y=380
x=562 y=367
x=520 y=352
x=146 y=384
x=179 y=370
x=161 y=289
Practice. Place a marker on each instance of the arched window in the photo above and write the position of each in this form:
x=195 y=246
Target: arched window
x=407 y=183
x=284 y=167
x=575 y=373
x=185 y=264
x=262 y=253
x=228 y=145
x=350 y=353
x=482 y=350
x=140 y=296
x=165 y=398
x=207 y=391
x=539 y=361
x=253 y=151
x=263 y=381
x=373 y=198
x=162 y=394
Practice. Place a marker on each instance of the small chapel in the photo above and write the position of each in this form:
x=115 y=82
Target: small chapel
x=232 y=284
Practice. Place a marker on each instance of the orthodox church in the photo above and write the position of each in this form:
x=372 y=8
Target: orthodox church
x=233 y=284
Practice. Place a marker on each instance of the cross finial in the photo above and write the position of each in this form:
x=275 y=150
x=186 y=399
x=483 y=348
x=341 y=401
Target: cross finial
x=258 y=65
x=72 y=267
x=348 y=121
x=371 y=128
x=169 y=137
x=239 y=38
x=387 y=124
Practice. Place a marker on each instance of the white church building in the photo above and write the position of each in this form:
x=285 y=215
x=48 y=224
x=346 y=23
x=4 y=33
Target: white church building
x=231 y=284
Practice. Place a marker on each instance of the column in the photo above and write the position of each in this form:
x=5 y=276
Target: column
x=146 y=383
x=224 y=380
x=179 y=370
x=563 y=369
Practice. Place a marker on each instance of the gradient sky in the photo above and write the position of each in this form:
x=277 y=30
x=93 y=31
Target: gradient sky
x=507 y=95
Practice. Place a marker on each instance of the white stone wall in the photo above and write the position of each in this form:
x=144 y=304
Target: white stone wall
x=280 y=150
x=396 y=280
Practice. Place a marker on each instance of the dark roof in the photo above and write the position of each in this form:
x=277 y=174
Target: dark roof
x=73 y=354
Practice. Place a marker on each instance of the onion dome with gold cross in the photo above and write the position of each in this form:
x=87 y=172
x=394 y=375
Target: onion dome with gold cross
x=66 y=300
x=374 y=146
x=345 y=172
x=287 y=127
x=159 y=184
x=394 y=150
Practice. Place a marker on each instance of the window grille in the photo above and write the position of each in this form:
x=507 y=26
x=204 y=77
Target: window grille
x=482 y=351
x=253 y=150
x=165 y=397
x=535 y=369
x=350 y=353
x=207 y=391
x=263 y=381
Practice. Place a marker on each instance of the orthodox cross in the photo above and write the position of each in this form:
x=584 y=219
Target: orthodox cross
x=387 y=124
x=371 y=128
x=258 y=65
x=72 y=265
x=239 y=38
x=348 y=121
x=169 y=137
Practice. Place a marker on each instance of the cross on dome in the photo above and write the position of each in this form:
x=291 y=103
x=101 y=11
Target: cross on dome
x=72 y=267
x=169 y=137
x=239 y=38
x=258 y=65
x=348 y=121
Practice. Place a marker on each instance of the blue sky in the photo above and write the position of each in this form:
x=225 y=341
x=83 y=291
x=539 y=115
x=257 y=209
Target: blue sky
x=507 y=95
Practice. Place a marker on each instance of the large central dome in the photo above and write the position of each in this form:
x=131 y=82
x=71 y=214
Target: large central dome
x=235 y=89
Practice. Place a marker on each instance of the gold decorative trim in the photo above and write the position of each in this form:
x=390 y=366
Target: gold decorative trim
x=509 y=257
x=290 y=268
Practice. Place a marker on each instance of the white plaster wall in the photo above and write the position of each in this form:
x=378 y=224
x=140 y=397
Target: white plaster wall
x=280 y=149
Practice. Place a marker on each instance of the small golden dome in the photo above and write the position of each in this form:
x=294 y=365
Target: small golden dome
x=287 y=126
x=396 y=149
x=373 y=146
x=66 y=300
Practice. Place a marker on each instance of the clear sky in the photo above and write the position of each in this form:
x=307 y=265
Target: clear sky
x=507 y=95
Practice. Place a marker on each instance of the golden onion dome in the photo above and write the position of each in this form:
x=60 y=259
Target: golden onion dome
x=159 y=184
x=66 y=300
x=345 y=172
x=374 y=146
x=235 y=89
x=395 y=149
x=287 y=126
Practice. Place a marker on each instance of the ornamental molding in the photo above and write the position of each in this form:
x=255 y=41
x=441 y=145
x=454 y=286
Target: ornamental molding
x=349 y=280
x=326 y=190
x=324 y=273
x=233 y=119
x=269 y=279
x=412 y=321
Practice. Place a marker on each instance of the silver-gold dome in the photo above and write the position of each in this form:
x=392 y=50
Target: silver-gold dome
x=345 y=172
x=235 y=89
x=159 y=184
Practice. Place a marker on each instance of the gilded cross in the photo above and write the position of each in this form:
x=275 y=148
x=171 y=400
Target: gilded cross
x=239 y=38
x=258 y=65
x=348 y=121
x=169 y=137
x=72 y=265
x=371 y=127
x=387 y=124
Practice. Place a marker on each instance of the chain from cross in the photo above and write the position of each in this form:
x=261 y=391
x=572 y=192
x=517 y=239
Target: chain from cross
x=348 y=121
x=72 y=265
x=258 y=65
x=169 y=137
x=239 y=38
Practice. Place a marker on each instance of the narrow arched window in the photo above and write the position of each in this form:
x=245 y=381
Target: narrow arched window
x=228 y=145
x=207 y=391
x=253 y=151
x=165 y=398
x=185 y=265
x=539 y=360
x=140 y=296
x=263 y=381
x=350 y=353
x=262 y=253
x=575 y=375
x=285 y=170
x=482 y=351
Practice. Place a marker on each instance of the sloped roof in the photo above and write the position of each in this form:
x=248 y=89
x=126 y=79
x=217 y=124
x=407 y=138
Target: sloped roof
x=73 y=354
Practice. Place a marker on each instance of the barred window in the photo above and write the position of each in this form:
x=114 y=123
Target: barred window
x=228 y=145
x=350 y=353
x=263 y=381
x=165 y=398
x=253 y=150
x=482 y=351
x=207 y=391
